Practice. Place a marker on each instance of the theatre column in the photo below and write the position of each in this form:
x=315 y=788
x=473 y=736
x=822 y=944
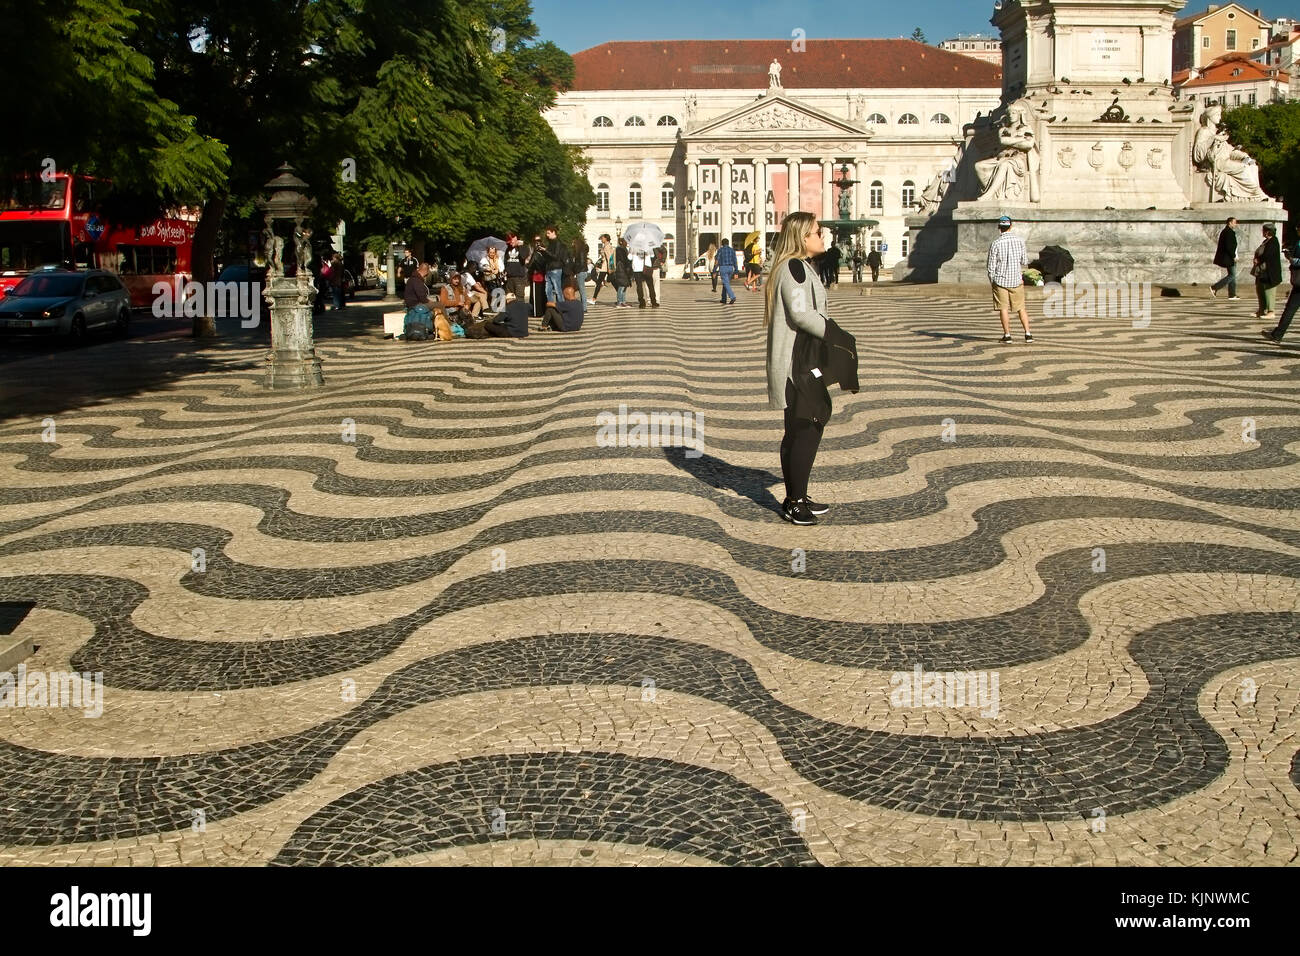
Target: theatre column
x=861 y=192
x=828 y=191
x=792 y=197
x=724 y=218
x=760 y=198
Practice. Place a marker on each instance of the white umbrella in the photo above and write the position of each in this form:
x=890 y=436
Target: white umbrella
x=643 y=237
x=480 y=247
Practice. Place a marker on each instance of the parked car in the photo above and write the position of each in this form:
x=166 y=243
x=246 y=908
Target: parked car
x=68 y=304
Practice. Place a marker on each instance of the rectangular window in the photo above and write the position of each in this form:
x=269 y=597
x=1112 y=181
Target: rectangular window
x=602 y=200
x=634 y=200
x=905 y=247
x=1205 y=42
x=666 y=200
x=1236 y=99
x=147 y=260
x=909 y=197
x=877 y=197
x=876 y=244
x=1251 y=101
x=1231 y=40
x=672 y=249
x=1254 y=44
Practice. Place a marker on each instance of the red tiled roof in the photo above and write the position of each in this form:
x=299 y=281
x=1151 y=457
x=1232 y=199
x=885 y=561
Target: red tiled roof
x=742 y=65
x=1220 y=71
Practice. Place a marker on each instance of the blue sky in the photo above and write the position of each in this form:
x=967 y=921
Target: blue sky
x=574 y=25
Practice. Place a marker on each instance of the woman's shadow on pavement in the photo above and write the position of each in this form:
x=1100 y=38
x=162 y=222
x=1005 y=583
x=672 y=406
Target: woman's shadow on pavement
x=751 y=483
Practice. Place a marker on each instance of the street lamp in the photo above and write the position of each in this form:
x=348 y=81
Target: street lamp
x=690 y=220
x=293 y=361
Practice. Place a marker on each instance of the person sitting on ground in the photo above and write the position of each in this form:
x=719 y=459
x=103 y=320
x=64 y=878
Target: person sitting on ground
x=477 y=295
x=453 y=300
x=565 y=315
x=513 y=322
x=419 y=310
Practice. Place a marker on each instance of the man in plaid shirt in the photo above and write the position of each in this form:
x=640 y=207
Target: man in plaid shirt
x=1007 y=262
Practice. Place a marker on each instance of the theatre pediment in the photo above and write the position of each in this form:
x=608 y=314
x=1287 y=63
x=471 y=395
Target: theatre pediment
x=776 y=115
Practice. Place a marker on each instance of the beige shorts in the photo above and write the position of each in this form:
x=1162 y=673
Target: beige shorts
x=1013 y=300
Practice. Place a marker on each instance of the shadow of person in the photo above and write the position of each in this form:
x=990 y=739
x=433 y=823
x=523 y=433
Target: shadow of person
x=751 y=483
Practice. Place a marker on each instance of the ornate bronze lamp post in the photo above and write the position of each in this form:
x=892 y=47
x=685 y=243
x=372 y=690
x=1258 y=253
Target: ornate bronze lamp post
x=292 y=360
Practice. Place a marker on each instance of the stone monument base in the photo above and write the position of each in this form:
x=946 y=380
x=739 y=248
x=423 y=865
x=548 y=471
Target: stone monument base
x=292 y=361
x=1160 y=246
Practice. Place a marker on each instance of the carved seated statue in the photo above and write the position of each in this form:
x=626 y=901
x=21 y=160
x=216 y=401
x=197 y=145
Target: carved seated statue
x=1231 y=174
x=1005 y=175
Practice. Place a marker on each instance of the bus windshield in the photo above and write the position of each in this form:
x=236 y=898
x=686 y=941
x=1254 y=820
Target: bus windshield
x=34 y=195
x=25 y=246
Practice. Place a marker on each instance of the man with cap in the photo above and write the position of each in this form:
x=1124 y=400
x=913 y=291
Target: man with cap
x=1008 y=259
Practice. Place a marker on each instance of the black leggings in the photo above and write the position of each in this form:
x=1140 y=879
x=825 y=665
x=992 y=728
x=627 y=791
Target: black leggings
x=798 y=449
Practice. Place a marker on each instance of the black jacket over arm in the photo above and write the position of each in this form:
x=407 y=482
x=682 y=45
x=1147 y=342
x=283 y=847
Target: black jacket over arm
x=836 y=357
x=1272 y=261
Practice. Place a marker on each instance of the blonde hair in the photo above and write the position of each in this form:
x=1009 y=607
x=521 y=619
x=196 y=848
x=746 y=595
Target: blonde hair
x=789 y=245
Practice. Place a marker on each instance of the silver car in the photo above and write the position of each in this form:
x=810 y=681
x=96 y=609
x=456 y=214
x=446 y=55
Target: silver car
x=66 y=304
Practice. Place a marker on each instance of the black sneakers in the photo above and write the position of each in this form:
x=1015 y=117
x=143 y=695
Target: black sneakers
x=814 y=507
x=797 y=512
x=1006 y=339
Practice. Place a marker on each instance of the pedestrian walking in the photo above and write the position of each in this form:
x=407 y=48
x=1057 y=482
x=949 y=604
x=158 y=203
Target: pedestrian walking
x=622 y=274
x=1292 y=301
x=857 y=264
x=795 y=302
x=1008 y=259
x=1267 y=271
x=873 y=263
x=725 y=266
x=335 y=277
x=604 y=265
x=643 y=266
x=711 y=262
x=1225 y=257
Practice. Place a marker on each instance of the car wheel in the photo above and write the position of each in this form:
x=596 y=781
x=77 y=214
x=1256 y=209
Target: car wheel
x=123 y=323
x=77 y=333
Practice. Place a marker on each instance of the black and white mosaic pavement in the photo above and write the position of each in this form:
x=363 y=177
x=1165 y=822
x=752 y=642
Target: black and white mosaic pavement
x=424 y=615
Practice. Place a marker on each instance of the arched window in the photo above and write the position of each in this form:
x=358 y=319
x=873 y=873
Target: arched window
x=602 y=121
x=667 y=121
x=909 y=194
x=602 y=197
x=876 y=118
x=634 y=121
x=671 y=243
x=940 y=119
x=667 y=199
x=877 y=194
x=634 y=197
x=877 y=240
x=908 y=119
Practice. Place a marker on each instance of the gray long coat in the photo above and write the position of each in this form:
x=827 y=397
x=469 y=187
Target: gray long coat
x=798 y=303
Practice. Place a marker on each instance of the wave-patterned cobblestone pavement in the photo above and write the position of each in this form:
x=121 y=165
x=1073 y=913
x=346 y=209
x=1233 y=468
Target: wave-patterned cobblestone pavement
x=422 y=616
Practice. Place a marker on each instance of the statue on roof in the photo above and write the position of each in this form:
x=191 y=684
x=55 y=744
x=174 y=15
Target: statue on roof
x=774 y=75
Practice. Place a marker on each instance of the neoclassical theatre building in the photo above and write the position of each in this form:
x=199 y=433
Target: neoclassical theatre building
x=667 y=123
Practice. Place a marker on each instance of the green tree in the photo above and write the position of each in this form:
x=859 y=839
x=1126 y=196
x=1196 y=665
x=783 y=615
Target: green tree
x=1271 y=134
x=87 y=98
x=918 y=35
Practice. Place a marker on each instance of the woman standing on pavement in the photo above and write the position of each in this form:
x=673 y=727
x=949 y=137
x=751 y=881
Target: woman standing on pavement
x=795 y=301
x=622 y=274
x=1267 y=272
x=710 y=261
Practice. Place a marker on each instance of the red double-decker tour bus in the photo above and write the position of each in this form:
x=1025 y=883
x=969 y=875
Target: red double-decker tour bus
x=57 y=221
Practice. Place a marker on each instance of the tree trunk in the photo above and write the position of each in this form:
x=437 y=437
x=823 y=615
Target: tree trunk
x=205 y=246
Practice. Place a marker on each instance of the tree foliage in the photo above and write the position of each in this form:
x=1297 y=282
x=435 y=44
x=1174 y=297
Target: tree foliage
x=87 y=97
x=1271 y=134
